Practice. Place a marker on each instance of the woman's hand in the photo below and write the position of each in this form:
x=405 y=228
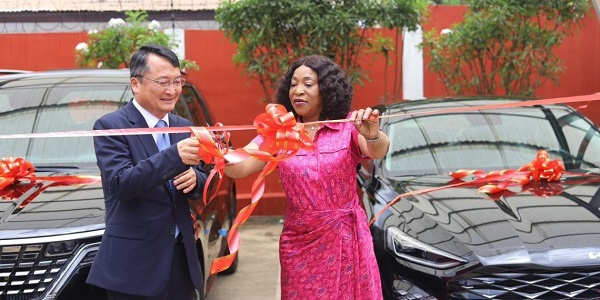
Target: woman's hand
x=372 y=142
x=366 y=122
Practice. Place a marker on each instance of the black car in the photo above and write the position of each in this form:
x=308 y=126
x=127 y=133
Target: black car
x=49 y=232
x=537 y=241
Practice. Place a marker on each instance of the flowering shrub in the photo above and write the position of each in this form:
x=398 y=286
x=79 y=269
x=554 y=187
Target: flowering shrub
x=113 y=46
x=504 y=47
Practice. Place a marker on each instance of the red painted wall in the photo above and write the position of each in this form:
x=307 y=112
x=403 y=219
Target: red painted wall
x=580 y=55
x=236 y=100
x=39 y=51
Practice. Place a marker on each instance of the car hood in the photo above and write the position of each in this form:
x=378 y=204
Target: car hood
x=552 y=224
x=54 y=205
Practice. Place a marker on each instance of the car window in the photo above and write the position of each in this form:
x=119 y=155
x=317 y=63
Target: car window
x=486 y=140
x=56 y=108
x=582 y=137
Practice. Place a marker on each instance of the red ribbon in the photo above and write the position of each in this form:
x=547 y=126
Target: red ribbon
x=541 y=169
x=15 y=170
x=212 y=150
x=283 y=137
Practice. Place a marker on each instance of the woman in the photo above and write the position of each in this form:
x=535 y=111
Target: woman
x=326 y=251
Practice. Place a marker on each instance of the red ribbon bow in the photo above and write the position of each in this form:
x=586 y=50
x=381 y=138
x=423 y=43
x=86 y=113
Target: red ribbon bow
x=14 y=169
x=283 y=137
x=540 y=169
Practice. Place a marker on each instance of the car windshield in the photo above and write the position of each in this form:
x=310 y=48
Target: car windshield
x=56 y=107
x=490 y=140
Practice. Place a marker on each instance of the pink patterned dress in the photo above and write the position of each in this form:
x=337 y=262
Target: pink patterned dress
x=326 y=251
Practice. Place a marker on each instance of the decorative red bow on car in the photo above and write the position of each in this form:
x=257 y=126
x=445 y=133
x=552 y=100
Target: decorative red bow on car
x=540 y=169
x=14 y=170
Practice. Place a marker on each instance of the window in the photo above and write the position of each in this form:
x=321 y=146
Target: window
x=56 y=108
x=486 y=140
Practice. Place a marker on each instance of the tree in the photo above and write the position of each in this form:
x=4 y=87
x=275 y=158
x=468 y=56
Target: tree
x=271 y=34
x=504 y=46
x=113 y=46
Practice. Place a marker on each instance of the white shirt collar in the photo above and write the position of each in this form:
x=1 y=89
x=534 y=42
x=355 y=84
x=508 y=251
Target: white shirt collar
x=151 y=120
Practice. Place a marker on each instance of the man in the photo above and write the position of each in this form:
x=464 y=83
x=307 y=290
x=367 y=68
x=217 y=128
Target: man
x=148 y=249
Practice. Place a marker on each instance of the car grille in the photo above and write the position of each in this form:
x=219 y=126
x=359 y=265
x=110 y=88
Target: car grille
x=25 y=272
x=527 y=282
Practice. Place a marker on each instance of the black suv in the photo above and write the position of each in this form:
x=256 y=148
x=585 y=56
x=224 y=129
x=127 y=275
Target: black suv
x=49 y=233
x=540 y=240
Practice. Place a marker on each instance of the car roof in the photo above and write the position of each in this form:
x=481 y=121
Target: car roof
x=413 y=106
x=71 y=76
x=13 y=71
x=68 y=73
x=75 y=76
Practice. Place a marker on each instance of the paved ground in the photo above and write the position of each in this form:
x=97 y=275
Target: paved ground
x=257 y=276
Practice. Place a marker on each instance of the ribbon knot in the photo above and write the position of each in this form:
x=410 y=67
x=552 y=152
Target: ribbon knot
x=14 y=169
x=541 y=168
x=283 y=137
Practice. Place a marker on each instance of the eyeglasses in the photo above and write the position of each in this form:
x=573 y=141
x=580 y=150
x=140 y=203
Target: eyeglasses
x=165 y=83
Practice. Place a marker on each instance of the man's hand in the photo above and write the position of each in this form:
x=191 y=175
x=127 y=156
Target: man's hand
x=188 y=151
x=185 y=181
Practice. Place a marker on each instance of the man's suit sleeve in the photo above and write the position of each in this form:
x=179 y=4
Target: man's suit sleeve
x=125 y=167
x=200 y=181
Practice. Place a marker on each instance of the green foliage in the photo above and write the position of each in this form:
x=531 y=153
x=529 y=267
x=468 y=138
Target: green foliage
x=505 y=45
x=113 y=46
x=271 y=34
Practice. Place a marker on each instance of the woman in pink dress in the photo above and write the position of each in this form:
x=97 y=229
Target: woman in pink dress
x=326 y=251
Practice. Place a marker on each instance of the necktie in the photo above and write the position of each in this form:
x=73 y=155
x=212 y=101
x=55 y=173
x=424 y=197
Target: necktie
x=162 y=139
x=162 y=142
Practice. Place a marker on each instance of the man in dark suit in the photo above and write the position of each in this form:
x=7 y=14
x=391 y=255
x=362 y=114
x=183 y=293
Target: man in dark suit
x=148 y=249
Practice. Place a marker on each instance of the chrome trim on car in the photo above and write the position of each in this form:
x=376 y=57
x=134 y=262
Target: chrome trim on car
x=68 y=269
x=54 y=238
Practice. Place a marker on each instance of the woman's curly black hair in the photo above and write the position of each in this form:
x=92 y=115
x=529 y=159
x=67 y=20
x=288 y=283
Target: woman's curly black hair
x=334 y=87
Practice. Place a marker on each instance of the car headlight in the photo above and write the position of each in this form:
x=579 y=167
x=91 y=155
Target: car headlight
x=410 y=249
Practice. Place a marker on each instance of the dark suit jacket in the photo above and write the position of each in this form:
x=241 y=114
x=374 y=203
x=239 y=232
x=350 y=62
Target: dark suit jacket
x=141 y=210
